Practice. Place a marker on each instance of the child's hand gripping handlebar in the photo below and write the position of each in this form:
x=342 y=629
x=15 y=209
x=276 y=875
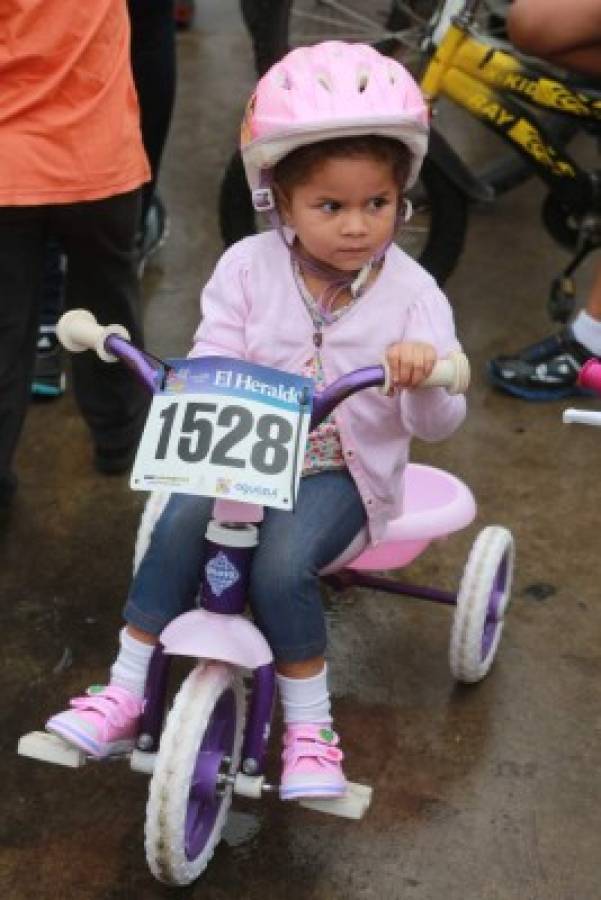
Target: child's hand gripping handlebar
x=452 y=373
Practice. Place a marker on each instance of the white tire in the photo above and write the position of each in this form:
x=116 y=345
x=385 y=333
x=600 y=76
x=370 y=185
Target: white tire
x=482 y=600
x=170 y=856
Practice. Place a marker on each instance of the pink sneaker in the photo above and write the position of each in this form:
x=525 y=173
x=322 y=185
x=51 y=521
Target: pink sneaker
x=103 y=723
x=311 y=759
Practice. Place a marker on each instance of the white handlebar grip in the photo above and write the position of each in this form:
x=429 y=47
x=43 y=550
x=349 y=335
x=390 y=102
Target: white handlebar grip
x=78 y=330
x=582 y=417
x=453 y=373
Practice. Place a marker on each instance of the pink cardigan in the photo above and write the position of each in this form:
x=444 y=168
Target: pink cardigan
x=252 y=310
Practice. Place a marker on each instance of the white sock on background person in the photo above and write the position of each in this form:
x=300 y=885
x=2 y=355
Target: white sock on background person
x=305 y=699
x=130 y=669
x=587 y=332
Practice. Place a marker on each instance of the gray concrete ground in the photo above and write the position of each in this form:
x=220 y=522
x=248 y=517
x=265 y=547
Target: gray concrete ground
x=486 y=793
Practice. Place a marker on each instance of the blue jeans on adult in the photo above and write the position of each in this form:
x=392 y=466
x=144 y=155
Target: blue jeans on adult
x=285 y=595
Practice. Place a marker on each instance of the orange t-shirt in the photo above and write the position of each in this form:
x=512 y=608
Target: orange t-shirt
x=69 y=118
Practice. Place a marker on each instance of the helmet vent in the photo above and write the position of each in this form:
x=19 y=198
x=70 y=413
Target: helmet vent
x=324 y=81
x=362 y=81
x=284 y=80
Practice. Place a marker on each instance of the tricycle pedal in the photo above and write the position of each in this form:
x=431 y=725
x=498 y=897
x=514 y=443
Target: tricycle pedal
x=353 y=805
x=50 y=748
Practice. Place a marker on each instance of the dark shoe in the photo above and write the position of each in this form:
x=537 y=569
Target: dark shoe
x=547 y=370
x=114 y=460
x=156 y=232
x=48 y=377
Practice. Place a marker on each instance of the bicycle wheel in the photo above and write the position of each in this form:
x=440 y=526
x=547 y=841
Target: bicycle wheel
x=396 y=27
x=187 y=807
x=482 y=601
x=435 y=235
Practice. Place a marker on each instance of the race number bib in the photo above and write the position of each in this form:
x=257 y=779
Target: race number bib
x=226 y=428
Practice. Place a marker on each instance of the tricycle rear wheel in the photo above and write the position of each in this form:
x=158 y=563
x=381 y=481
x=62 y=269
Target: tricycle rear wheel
x=482 y=601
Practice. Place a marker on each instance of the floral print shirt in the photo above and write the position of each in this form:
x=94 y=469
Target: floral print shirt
x=324 y=450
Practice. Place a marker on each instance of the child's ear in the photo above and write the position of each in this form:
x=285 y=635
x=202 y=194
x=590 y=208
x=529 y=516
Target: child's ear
x=283 y=205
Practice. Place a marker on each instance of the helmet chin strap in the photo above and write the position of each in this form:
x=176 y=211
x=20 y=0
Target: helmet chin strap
x=336 y=278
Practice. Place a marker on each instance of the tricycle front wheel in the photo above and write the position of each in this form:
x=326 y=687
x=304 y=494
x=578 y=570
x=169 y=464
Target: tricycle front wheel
x=187 y=804
x=482 y=600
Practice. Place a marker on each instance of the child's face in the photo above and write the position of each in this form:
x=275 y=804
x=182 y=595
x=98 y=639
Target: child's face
x=345 y=212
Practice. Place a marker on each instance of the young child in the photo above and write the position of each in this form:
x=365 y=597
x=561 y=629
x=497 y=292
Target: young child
x=332 y=137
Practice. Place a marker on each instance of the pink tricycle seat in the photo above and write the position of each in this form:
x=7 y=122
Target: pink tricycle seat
x=436 y=504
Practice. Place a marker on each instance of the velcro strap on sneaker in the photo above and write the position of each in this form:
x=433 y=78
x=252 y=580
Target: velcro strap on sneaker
x=114 y=704
x=312 y=743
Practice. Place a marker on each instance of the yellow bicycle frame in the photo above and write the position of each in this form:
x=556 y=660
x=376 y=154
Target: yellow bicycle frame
x=478 y=76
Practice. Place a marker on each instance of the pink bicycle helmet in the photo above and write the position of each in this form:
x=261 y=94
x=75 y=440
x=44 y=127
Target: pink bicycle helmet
x=330 y=90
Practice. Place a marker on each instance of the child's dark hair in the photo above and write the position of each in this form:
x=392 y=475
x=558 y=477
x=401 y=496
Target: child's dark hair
x=298 y=166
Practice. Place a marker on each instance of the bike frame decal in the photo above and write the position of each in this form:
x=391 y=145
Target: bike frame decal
x=510 y=121
x=500 y=69
x=491 y=84
x=530 y=139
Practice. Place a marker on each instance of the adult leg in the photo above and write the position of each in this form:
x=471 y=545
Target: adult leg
x=593 y=305
x=99 y=240
x=154 y=69
x=586 y=327
x=565 y=33
x=549 y=369
x=48 y=376
x=23 y=234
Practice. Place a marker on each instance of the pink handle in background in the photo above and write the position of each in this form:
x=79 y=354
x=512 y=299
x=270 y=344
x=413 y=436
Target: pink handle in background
x=590 y=376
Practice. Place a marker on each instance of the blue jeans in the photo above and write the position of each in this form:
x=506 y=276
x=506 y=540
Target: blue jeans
x=284 y=589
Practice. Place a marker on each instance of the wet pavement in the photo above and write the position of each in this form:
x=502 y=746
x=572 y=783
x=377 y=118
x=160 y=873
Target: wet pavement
x=490 y=792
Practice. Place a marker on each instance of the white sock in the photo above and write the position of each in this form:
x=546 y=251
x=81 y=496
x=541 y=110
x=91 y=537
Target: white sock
x=587 y=331
x=305 y=699
x=131 y=666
